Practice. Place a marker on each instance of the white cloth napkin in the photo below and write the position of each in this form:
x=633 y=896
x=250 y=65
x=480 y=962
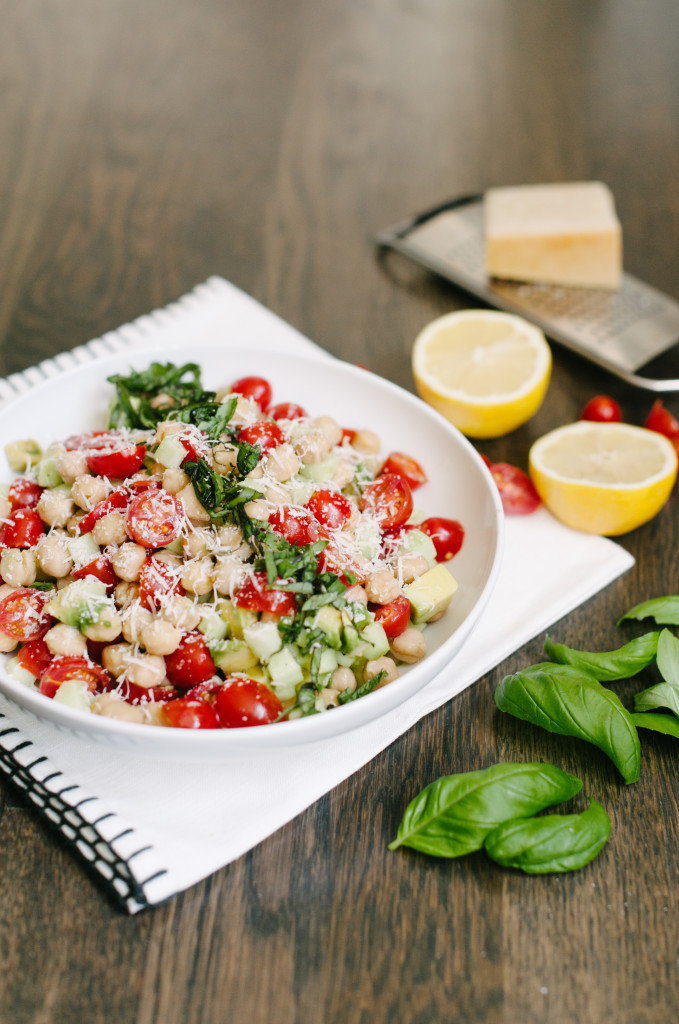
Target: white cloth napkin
x=152 y=828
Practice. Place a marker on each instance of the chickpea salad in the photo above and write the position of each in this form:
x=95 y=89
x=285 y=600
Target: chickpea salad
x=213 y=559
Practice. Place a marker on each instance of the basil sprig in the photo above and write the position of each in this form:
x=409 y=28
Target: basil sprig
x=664 y=610
x=607 y=666
x=555 y=842
x=144 y=398
x=570 y=702
x=453 y=815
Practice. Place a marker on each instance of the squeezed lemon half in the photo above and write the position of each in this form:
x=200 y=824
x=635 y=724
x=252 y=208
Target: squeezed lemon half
x=485 y=371
x=605 y=478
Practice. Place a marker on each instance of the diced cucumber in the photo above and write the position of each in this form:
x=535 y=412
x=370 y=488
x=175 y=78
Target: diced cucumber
x=212 y=625
x=47 y=473
x=75 y=694
x=369 y=538
x=232 y=655
x=329 y=619
x=83 y=549
x=175 y=547
x=323 y=470
x=374 y=641
x=420 y=543
x=237 y=618
x=170 y=452
x=18 y=673
x=263 y=638
x=284 y=669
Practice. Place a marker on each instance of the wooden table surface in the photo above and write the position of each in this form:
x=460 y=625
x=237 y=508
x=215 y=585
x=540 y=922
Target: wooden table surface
x=147 y=146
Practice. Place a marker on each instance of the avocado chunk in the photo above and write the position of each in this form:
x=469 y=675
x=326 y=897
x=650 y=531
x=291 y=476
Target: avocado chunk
x=81 y=604
x=430 y=594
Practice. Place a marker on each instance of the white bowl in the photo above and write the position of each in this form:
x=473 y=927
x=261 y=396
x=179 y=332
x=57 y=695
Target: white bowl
x=459 y=487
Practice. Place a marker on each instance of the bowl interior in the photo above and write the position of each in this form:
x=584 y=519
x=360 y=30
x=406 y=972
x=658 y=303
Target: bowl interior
x=458 y=487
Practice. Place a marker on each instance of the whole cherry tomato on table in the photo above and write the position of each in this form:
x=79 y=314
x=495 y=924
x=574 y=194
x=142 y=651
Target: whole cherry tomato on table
x=602 y=409
x=517 y=493
x=257 y=389
x=243 y=702
x=662 y=421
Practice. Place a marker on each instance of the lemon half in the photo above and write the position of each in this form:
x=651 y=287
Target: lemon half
x=605 y=478
x=485 y=371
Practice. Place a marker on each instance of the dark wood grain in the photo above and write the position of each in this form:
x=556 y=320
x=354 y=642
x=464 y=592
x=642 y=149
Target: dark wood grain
x=144 y=147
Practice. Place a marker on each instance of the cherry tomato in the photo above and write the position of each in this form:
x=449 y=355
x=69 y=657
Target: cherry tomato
x=348 y=435
x=390 y=500
x=101 y=568
x=119 y=464
x=257 y=389
x=517 y=492
x=407 y=467
x=24 y=493
x=447 y=535
x=297 y=525
x=155 y=518
x=662 y=421
x=117 y=500
x=156 y=581
x=192 y=453
x=187 y=713
x=394 y=616
x=287 y=411
x=22 y=614
x=65 y=667
x=245 y=702
x=330 y=508
x=265 y=433
x=133 y=694
x=23 y=529
x=485 y=459
x=191 y=663
x=91 y=439
x=602 y=409
x=256 y=595
x=35 y=656
x=331 y=559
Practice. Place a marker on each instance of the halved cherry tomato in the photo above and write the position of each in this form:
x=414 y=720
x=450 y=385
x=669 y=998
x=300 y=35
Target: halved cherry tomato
x=390 y=500
x=118 y=463
x=117 y=500
x=35 y=656
x=257 y=389
x=24 y=493
x=517 y=493
x=602 y=409
x=265 y=433
x=348 y=435
x=92 y=439
x=101 y=568
x=191 y=662
x=23 y=529
x=407 y=467
x=331 y=559
x=23 y=615
x=331 y=508
x=188 y=713
x=287 y=411
x=296 y=524
x=192 y=453
x=447 y=535
x=662 y=421
x=244 y=702
x=156 y=581
x=256 y=595
x=65 y=667
x=133 y=694
x=155 y=518
x=394 y=616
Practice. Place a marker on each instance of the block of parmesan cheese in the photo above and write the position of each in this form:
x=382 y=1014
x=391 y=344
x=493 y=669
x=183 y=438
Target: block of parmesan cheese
x=565 y=234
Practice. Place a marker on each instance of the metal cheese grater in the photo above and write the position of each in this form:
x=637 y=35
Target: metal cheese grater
x=620 y=331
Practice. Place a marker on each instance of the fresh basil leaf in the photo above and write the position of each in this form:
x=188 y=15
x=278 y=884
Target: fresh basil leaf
x=662 y=695
x=367 y=687
x=571 y=702
x=621 y=663
x=665 y=610
x=247 y=458
x=657 y=721
x=668 y=657
x=556 y=842
x=453 y=815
